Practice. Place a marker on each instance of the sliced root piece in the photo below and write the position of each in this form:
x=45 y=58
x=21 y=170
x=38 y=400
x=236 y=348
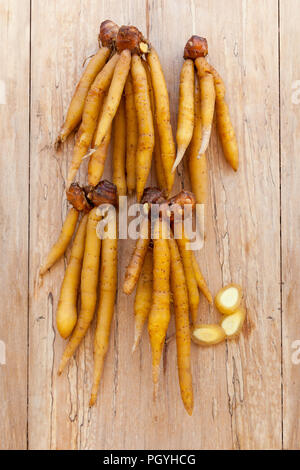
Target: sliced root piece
x=232 y=324
x=228 y=299
x=207 y=335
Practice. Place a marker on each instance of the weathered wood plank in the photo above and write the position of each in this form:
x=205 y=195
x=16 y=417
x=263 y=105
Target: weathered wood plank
x=239 y=401
x=58 y=407
x=290 y=177
x=14 y=177
x=237 y=386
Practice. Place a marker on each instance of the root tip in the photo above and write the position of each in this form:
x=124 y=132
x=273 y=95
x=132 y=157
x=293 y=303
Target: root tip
x=92 y=400
x=58 y=143
x=179 y=157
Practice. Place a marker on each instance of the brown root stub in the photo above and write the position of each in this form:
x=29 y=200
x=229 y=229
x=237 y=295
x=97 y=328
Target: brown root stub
x=176 y=204
x=108 y=33
x=183 y=198
x=104 y=193
x=129 y=37
x=152 y=196
x=77 y=197
x=195 y=47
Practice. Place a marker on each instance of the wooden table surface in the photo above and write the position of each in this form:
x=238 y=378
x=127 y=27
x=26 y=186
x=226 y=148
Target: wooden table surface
x=246 y=391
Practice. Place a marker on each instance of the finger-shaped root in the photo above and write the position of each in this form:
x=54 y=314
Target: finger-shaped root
x=66 y=314
x=185 y=123
x=114 y=95
x=145 y=124
x=134 y=268
x=143 y=298
x=90 y=116
x=119 y=149
x=88 y=288
x=159 y=316
x=63 y=241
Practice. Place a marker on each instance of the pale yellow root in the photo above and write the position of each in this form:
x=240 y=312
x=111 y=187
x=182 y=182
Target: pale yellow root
x=145 y=124
x=201 y=281
x=225 y=128
x=159 y=316
x=63 y=241
x=107 y=295
x=131 y=135
x=159 y=169
x=208 y=99
x=97 y=160
x=191 y=282
x=66 y=314
x=88 y=288
x=75 y=110
x=119 y=150
x=183 y=335
x=114 y=95
x=134 y=268
x=224 y=125
x=197 y=166
x=185 y=123
x=162 y=114
x=143 y=298
x=98 y=156
x=90 y=115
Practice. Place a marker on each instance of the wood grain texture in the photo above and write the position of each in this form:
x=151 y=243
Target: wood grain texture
x=245 y=390
x=290 y=171
x=246 y=373
x=14 y=183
